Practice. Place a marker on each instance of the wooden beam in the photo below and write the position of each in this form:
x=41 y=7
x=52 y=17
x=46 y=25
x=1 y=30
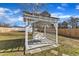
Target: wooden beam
x=46 y=19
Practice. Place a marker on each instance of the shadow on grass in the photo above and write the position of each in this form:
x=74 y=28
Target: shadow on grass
x=11 y=45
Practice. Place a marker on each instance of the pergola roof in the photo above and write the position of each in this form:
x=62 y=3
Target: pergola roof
x=34 y=17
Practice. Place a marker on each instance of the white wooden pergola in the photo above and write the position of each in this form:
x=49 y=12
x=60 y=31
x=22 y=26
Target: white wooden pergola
x=30 y=18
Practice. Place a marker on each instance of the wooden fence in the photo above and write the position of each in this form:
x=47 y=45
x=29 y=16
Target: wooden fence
x=69 y=32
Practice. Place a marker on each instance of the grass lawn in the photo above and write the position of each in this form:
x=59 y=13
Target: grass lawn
x=11 y=41
x=20 y=53
x=11 y=35
x=11 y=44
x=69 y=46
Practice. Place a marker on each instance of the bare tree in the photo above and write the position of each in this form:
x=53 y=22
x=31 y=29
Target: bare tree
x=65 y=24
x=4 y=25
x=73 y=21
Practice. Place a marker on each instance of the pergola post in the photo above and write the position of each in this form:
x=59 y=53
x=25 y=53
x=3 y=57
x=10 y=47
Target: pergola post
x=56 y=27
x=26 y=38
x=32 y=30
x=45 y=30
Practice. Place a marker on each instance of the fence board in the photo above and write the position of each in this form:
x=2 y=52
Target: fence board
x=69 y=32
